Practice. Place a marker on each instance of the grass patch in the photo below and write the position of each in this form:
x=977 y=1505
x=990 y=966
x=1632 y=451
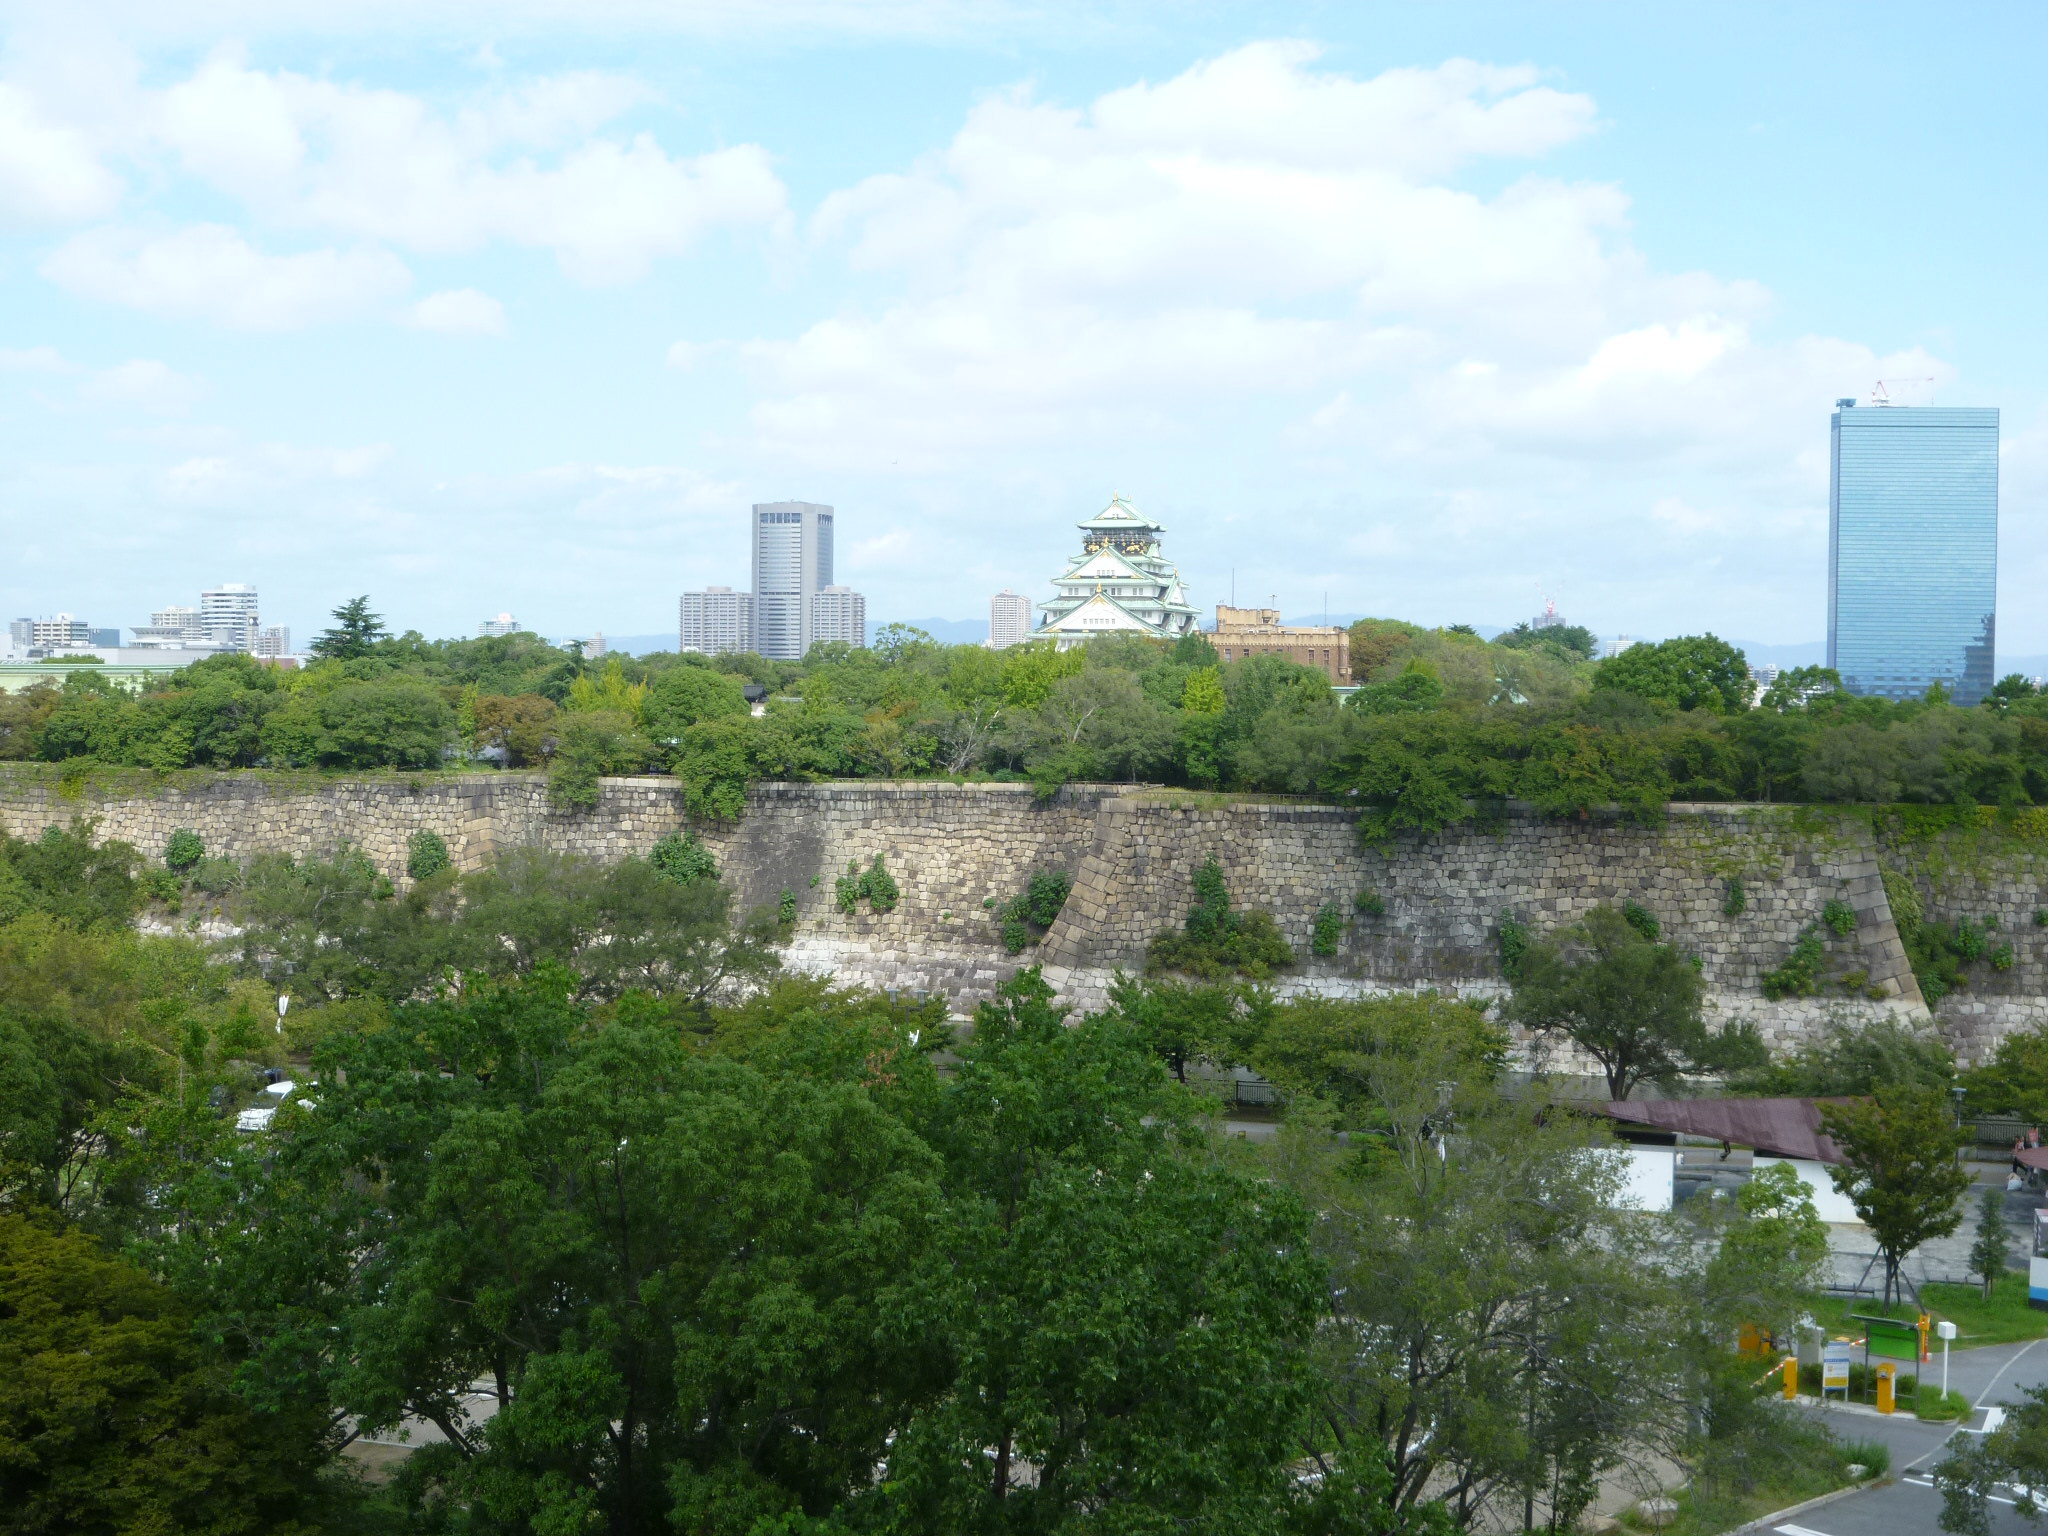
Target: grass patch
x=1809 y=1463
x=2004 y=1319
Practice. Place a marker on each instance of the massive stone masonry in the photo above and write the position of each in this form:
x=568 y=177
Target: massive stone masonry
x=959 y=852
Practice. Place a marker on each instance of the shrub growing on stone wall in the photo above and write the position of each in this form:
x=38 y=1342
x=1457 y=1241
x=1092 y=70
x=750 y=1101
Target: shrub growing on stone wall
x=1514 y=945
x=1370 y=904
x=1329 y=928
x=785 y=909
x=1839 y=916
x=1643 y=920
x=1734 y=897
x=1218 y=943
x=680 y=859
x=183 y=850
x=1027 y=917
x=426 y=855
x=874 y=885
x=1800 y=975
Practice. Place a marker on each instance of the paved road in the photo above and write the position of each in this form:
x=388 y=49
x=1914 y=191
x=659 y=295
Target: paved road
x=1910 y=1505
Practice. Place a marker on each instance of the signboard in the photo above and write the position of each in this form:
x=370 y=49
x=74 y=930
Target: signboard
x=1890 y=1338
x=1834 y=1365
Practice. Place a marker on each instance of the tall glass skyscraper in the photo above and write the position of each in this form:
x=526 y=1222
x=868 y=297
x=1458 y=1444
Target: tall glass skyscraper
x=792 y=563
x=1913 y=549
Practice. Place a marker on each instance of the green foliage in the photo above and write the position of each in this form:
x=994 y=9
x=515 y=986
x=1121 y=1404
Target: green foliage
x=2002 y=958
x=785 y=909
x=1901 y=1171
x=183 y=850
x=1026 y=917
x=594 y=744
x=426 y=855
x=1839 y=917
x=873 y=1298
x=1692 y=672
x=1799 y=974
x=1370 y=904
x=1734 y=897
x=1991 y=1251
x=1853 y=1060
x=873 y=885
x=1630 y=1003
x=64 y=874
x=332 y=929
x=355 y=634
x=1328 y=929
x=111 y=1419
x=1218 y=943
x=1568 y=642
x=680 y=858
x=1643 y=920
x=1515 y=940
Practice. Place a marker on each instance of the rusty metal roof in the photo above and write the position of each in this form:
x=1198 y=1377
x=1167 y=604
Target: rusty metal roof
x=1774 y=1127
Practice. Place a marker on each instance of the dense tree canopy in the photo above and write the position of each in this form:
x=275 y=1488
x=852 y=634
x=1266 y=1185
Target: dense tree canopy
x=1443 y=722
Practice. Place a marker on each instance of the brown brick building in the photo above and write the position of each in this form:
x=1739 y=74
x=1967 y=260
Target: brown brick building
x=1242 y=632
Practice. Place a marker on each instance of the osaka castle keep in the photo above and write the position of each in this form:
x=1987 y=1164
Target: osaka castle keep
x=1119 y=582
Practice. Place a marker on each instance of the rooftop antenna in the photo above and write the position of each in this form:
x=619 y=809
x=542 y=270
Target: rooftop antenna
x=1879 y=395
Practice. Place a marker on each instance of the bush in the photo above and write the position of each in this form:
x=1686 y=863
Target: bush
x=874 y=885
x=1800 y=975
x=680 y=859
x=216 y=877
x=1218 y=943
x=1643 y=920
x=183 y=850
x=1370 y=904
x=1734 y=897
x=1514 y=945
x=785 y=909
x=1840 y=917
x=425 y=855
x=1329 y=928
x=1026 y=918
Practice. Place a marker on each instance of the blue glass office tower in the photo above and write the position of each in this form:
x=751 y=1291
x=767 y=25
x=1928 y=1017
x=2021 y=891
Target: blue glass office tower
x=1913 y=550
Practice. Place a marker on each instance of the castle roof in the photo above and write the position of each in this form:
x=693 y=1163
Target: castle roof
x=1121 y=517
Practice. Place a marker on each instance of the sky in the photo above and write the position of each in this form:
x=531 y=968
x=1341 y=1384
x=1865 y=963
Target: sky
x=1433 y=311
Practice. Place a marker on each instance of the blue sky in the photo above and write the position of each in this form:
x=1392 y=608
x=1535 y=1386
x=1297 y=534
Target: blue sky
x=1432 y=308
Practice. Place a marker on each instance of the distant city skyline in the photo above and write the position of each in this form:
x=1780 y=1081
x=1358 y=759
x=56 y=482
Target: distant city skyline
x=1441 y=309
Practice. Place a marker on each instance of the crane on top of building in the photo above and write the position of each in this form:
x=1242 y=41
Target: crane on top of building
x=1880 y=396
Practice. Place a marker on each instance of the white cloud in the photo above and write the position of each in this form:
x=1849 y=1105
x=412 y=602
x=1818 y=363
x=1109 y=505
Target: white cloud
x=1261 y=234
x=528 y=166
x=460 y=312
x=144 y=382
x=34 y=360
x=49 y=172
x=209 y=272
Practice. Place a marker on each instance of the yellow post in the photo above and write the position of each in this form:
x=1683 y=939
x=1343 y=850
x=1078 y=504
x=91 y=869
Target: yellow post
x=1887 y=1373
x=1924 y=1324
x=1791 y=1377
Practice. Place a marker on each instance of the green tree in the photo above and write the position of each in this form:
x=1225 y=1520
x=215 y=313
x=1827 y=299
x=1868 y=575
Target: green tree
x=111 y=1420
x=1499 y=1332
x=1691 y=672
x=2017 y=1453
x=1796 y=686
x=1631 y=1004
x=355 y=634
x=1084 y=1227
x=1992 y=1250
x=1900 y=1168
x=682 y=696
x=1851 y=1060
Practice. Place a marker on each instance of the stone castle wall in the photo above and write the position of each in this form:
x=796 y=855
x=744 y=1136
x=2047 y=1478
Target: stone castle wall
x=959 y=851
